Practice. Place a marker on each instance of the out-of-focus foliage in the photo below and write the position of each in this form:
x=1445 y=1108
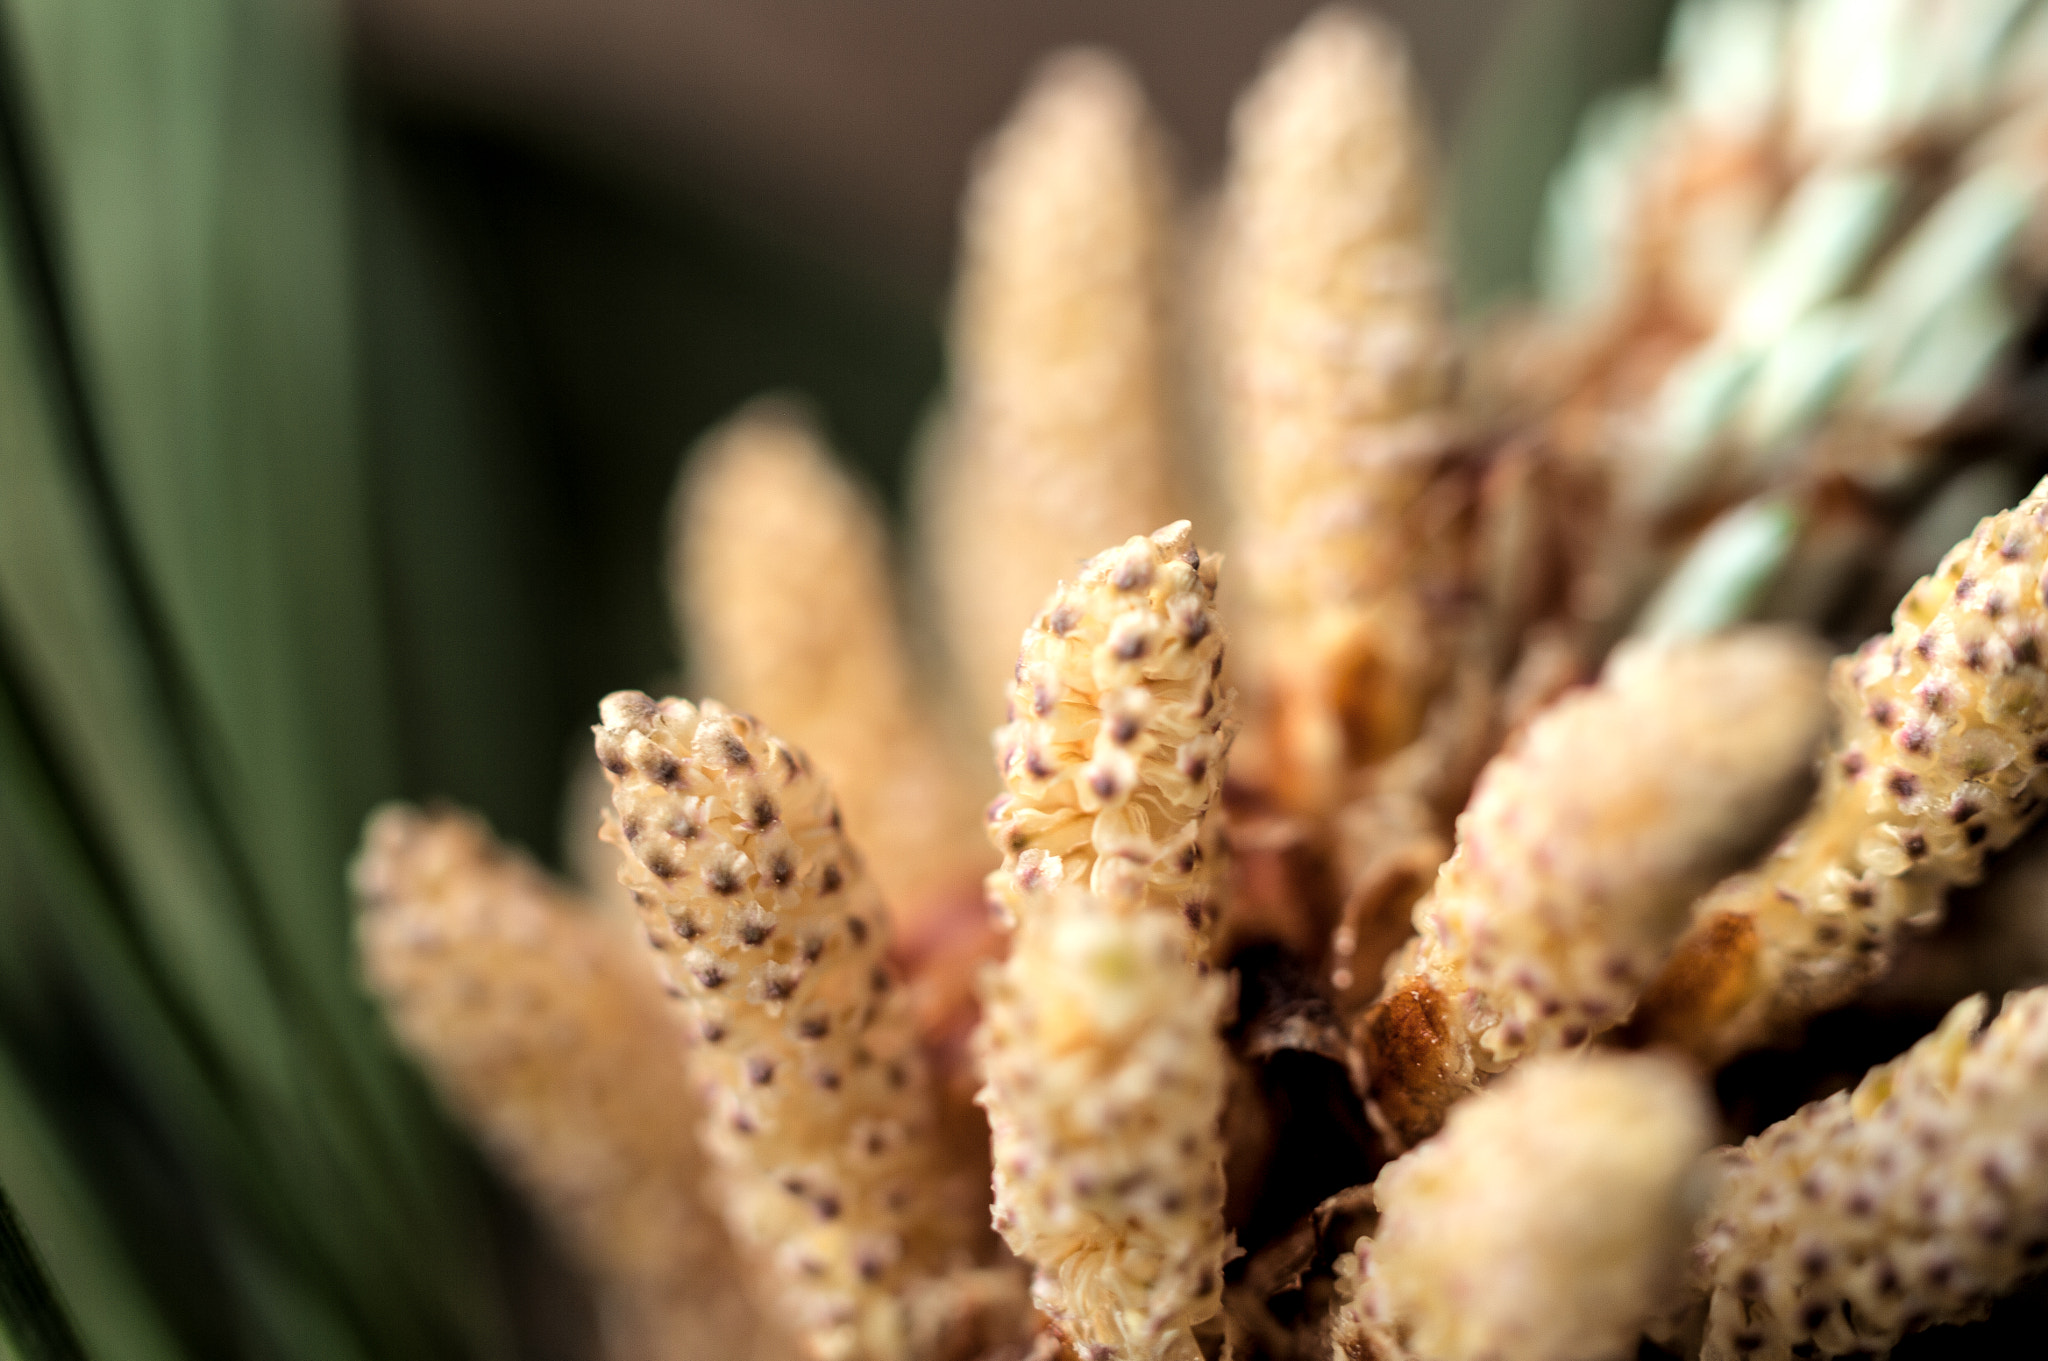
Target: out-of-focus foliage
x=33 y=1324
x=1556 y=58
x=193 y=665
x=312 y=425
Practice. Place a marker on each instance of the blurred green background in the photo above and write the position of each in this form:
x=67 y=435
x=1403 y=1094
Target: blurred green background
x=345 y=362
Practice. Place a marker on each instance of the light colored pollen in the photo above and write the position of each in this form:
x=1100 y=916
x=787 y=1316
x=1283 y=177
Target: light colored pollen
x=1059 y=436
x=1106 y=1079
x=1912 y=1201
x=1340 y=362
x=1547 y=1222
x=1584 y=844
x=1939 y=761
x=540 y=1023
x=780 y=573
x=1115 y=759
x=817 y=1107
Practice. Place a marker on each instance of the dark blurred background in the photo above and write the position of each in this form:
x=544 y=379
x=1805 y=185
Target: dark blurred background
x=846 y=127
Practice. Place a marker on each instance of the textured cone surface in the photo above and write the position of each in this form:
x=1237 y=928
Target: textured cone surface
x=1939 y=761
x=1546 y=1223
x=1114 y=756
x=1583 y=846
x=1106 y=1083
x=1059 y=439
x=1913 y=1200
x=787 y=602
x=541 y=1024
x=818 y=1110
x=1340 y=359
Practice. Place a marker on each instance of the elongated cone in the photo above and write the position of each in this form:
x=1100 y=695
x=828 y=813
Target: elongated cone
x=781 y=576
x=1341 y=362
x=1106 y=1082
x=1582 y=847
x=1548 y=1222
x=1939 y=761
x=1060 y=437
x=1914 y=1200
x=541 y=1024
x=1114 y=756
x=818 y=1112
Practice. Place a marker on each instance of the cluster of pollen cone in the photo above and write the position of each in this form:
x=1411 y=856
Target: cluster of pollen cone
x=1418 y=768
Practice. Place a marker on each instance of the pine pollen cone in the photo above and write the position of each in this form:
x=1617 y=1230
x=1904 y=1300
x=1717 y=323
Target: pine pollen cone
x=1547 y=1222
x=1911 y=1201
x=1120 y=723
x=1584 y=844
x=1106 y=1084
x=539 y=1022
x=768 y=932
x=1939 y=760
x=1341 y=375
